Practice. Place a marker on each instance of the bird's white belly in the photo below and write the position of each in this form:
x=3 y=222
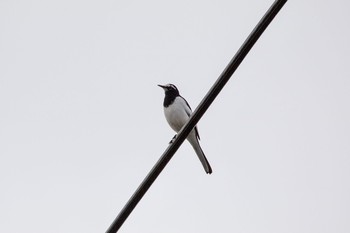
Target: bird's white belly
x=176 y=115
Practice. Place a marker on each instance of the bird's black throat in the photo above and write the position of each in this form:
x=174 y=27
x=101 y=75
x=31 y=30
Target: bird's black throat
x=169 y=98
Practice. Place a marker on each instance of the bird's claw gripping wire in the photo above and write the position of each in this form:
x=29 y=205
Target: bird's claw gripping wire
x=173 y=139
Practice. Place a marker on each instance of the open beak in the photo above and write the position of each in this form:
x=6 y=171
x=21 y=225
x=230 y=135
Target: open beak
x=161 y=86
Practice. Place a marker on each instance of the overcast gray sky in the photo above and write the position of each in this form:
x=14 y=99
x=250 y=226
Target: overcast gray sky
x=82 y=121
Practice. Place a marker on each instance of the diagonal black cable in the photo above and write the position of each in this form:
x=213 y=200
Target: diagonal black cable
x=197 y=114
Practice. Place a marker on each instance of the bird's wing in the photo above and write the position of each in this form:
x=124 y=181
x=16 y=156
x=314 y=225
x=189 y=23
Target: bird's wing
x=189 y=112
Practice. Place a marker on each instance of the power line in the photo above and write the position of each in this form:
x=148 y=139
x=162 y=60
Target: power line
x=197 y=114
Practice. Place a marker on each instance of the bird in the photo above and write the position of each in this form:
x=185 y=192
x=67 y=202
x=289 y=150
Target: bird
x=177 y=111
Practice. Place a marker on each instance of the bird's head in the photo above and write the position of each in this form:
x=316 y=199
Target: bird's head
x=170 y=89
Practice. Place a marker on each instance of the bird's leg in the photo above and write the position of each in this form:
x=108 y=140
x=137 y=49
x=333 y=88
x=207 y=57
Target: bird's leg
x=172 y=140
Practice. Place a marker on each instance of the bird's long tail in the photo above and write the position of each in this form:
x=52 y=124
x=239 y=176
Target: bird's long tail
x=195 y=144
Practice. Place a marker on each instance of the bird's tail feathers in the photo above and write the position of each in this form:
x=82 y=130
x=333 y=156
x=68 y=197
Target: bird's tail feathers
x=201 y=155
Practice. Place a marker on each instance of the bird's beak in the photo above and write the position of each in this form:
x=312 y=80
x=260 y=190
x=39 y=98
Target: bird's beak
x=161 y=86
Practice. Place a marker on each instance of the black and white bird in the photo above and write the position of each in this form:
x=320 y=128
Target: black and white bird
x=177 y=112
